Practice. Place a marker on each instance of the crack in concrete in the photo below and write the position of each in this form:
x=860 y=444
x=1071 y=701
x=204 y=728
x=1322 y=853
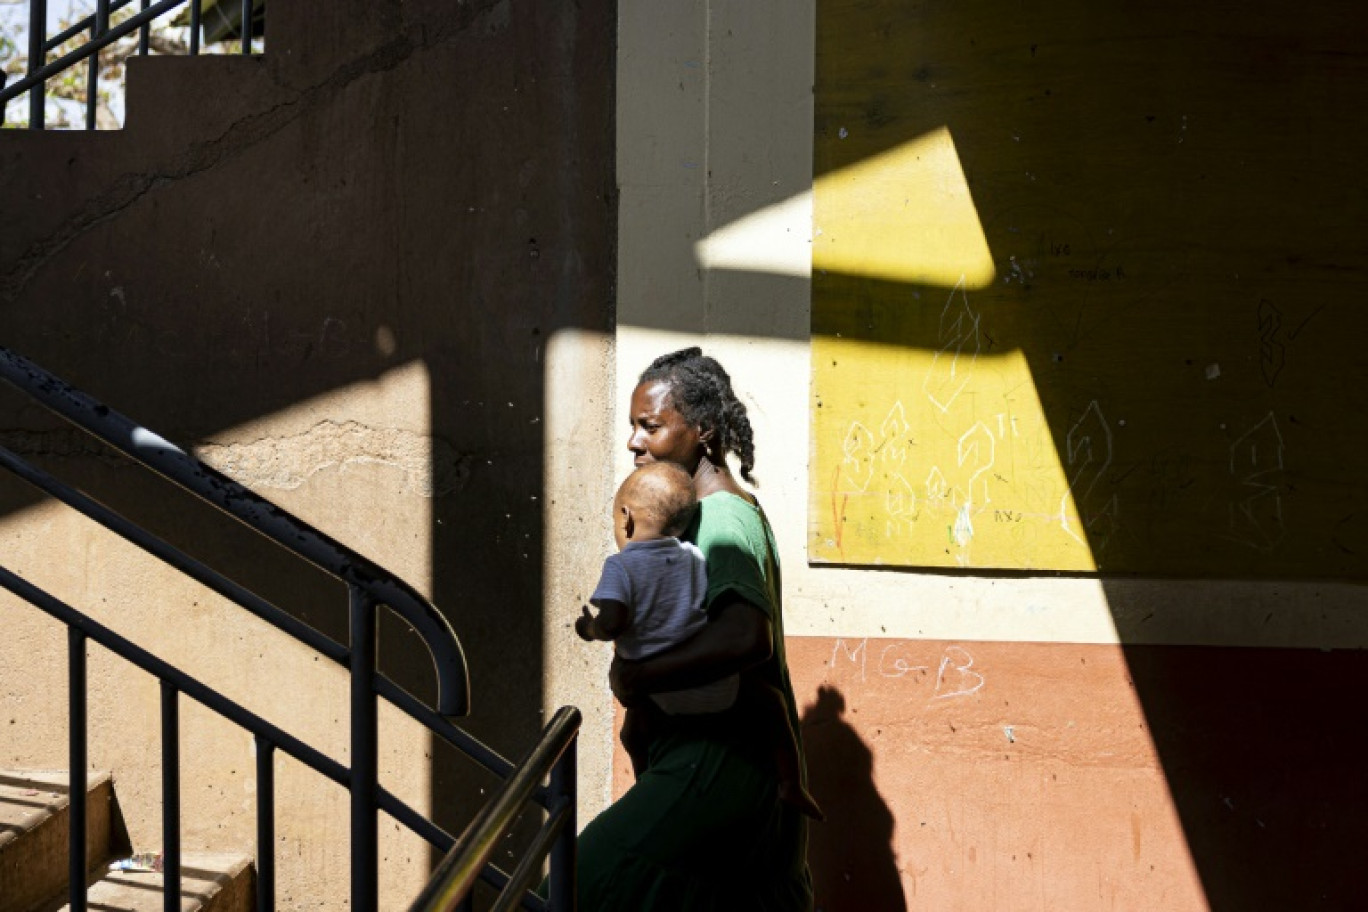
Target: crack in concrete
x=430 y=465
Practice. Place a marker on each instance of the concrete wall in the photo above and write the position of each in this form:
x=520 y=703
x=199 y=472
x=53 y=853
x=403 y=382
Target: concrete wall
x=1017 y=739
x=369 y=275
x=374 y=278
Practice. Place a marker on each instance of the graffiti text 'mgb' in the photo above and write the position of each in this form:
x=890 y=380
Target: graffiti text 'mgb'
x=952 y=672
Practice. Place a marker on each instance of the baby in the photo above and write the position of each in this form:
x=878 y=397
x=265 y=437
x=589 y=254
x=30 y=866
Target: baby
x=650 y=598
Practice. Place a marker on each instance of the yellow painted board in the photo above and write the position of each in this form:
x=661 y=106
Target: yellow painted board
x=1086 y=289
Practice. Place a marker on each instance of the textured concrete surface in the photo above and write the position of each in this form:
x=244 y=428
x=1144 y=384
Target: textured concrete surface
x=35 y=831
x=210 y=882
x=371 y=274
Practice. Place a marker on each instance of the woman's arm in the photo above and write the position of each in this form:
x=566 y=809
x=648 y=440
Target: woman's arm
x=738 y=636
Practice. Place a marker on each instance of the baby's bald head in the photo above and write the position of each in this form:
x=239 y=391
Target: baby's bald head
x=660 y=496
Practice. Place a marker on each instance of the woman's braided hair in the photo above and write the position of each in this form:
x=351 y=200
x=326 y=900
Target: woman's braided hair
x=702 y=392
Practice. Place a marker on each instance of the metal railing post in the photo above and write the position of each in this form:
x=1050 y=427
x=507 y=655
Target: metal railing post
x=265 y=848
x=171 y=832
x=144 y=33
x=246 y=27
x=455 y=875
x=195 y=6
x=365 y=894
x=77 y=760
x=93 y=79
x=37 y=56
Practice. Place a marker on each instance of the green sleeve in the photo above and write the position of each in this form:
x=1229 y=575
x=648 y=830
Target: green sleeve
x=731 y=535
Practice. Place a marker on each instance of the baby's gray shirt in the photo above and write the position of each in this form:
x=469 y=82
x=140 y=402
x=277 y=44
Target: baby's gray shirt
x=663 y=582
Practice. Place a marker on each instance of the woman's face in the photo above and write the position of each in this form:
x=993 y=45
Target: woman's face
x=659 y=431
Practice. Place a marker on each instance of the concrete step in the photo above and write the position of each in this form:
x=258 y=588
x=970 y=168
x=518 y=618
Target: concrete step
x=34 y=807
x=210 y=882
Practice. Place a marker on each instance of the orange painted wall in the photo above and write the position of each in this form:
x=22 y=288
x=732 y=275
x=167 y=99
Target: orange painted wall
x=1021 y=776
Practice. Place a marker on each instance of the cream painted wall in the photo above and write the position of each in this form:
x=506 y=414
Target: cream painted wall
x=357 y=462
x=578 y=496
x=715 y=171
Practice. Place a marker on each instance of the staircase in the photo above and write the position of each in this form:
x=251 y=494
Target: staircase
x=35 y=826
x=230 y=112
x=46 y=819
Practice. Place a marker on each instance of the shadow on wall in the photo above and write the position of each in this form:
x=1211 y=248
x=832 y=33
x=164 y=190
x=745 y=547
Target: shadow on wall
x=1263 y=750
x=851 y=852
x=276 y=270
x=1176 y=267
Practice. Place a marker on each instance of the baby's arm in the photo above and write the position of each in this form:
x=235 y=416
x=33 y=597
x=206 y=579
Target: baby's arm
x=611 y=622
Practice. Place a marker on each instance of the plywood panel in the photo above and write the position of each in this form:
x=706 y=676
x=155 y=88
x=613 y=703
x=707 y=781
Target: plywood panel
x=1086 y=288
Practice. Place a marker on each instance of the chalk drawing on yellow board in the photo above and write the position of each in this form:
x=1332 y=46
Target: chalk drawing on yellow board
x=1089 y=453
x=1256 y=464
x=901 y=504
x=899 y=480
x=859 y=455
x=894 y=431
x=959 y=342
x=976 y=451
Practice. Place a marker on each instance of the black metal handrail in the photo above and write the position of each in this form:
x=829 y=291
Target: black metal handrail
x=555 y=752
x=102 y=35
x=170 y=461
x=368 y=586
x=455 y=877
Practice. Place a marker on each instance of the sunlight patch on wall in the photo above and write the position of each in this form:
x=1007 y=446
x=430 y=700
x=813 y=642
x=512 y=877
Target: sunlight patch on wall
x=904 y=215
x=776 y=240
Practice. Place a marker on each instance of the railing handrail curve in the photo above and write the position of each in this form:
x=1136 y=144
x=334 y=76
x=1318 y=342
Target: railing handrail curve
x=286 y=530
x=416 y=709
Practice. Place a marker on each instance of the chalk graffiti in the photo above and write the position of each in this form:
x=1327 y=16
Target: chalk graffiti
x=894 y=436
x=900 y=501
x=955 y=672
x=859 y=451
x=1256 y=463
x=1272 y=354
x=1088 y=454
x=977 y=449
x=937 y=488
x=957 y=350
x=956 y=677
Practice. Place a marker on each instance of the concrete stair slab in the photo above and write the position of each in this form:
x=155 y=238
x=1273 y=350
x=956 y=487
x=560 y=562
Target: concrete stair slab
x=34 y=807
x=210 y=881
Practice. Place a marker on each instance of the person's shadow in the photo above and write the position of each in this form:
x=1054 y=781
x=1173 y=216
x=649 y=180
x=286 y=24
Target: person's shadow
x=851 y=853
